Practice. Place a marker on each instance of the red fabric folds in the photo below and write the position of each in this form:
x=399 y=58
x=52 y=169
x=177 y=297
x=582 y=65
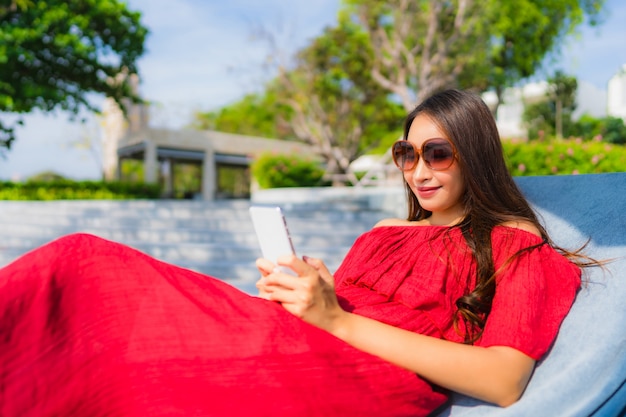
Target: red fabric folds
x=411 y=277
x=89 y=327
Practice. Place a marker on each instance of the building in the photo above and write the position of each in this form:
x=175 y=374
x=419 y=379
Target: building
x=616 y=100
x=590 y=100
x=213 y=155
x=511 y=107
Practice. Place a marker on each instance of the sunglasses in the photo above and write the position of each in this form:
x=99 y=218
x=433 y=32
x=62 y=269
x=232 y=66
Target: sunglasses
x=438 y=154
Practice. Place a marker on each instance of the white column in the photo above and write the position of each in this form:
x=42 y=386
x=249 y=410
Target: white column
x=114 y=128
x=208 y=175
x=150 y=174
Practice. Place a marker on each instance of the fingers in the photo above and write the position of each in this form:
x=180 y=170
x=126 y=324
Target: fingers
x=282 y=280
x=294 y=263
x=309 y=296
x=264 y=266
x=297 y=293
x=297 y=302
x=320 y=267
x=314 y=262
x=264 y=290
x=302 y=266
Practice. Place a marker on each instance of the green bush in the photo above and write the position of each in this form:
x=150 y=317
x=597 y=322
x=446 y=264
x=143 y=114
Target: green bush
x=279 y=171
x=559 y=157
x=62 y=189
x=609 y=129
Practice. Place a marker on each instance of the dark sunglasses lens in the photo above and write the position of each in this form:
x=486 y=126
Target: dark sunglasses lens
x=403 y=155
x=438 y=154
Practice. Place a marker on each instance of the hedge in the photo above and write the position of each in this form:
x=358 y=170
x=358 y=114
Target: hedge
x=560 y=157
x=77 y=190
x=282 y=170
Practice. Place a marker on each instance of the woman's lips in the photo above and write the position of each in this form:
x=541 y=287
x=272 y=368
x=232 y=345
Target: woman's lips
x=426 y=192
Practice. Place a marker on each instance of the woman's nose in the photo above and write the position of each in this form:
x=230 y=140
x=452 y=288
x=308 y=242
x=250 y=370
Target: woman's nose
x=421 y=171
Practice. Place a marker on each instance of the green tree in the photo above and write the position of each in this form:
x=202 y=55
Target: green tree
x=54 y=53
x=539 y=119
x=614 y=130
x=608 y=129
x=422 y=46
x=562 y=90
x=334 y=104
x=325 y=98
x=254 y=115
x=553 y=114
x=524 y=32
x=280 y=171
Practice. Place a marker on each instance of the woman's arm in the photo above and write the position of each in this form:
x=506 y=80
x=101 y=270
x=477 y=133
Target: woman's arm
x=495 y=374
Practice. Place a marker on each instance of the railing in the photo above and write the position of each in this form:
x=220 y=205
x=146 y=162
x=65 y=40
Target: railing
x=381 y=173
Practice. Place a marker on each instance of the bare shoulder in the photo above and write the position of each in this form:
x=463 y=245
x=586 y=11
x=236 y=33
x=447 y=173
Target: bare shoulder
x=523 y=225
x=392 y=222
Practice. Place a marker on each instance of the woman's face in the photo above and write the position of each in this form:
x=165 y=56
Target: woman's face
x=439 y=192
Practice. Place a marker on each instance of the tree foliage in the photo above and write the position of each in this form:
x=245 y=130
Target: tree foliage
x=255 y=115
x=563 y=157
x=282 y=171
x=608 y=129
x=422 y=46
x=351 y=86
x=326 y=98
x=553 y=115
x=523 y=33
x=334 y=103
x=53 y=53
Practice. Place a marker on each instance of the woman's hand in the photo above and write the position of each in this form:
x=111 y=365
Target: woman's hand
x=310 y=295
x=265 y=267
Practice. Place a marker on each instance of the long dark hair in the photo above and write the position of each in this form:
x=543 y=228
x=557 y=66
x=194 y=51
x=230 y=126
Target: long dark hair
x=491 y=195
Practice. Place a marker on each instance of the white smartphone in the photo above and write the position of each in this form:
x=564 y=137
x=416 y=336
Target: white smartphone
x=271 y=230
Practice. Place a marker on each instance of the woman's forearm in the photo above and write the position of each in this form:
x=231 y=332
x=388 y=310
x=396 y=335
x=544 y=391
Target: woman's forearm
x=497 y=374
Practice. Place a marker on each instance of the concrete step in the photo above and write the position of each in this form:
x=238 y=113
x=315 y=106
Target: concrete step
x=215 y=238
x=183 y=213
x=17 y=235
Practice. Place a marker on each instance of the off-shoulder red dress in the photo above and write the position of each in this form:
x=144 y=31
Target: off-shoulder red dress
x=90 y=327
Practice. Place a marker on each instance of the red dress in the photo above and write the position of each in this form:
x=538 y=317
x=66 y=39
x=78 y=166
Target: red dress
x=89 y=327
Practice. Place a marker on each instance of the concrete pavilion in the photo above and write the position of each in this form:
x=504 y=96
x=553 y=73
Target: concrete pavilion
x=212 y=153
x=161 y=149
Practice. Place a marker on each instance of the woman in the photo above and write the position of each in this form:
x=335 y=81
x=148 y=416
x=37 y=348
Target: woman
x=465 y=295
x=476 y=229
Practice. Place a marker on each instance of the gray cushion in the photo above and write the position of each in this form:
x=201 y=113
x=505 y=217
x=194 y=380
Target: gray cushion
x=584 y=374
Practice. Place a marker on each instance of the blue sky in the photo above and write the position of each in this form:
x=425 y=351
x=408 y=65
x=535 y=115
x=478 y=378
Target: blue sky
x=201 y=55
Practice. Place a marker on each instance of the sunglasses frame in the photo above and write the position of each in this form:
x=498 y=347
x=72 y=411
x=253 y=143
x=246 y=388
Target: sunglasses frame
x=420 y=154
